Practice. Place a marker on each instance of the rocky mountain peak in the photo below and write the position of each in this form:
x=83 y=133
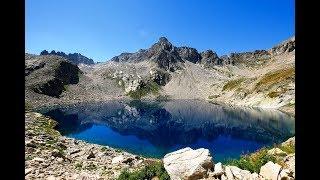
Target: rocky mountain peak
x=284 y=47
x=75 y=58
x=162 y=44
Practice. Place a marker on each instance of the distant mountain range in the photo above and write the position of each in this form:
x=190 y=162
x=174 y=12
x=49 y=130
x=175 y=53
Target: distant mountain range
x=75 y=58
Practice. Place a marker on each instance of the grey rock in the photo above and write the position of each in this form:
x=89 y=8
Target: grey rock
x=188 y=163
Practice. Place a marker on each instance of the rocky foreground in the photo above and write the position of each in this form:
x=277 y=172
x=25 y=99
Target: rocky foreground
x=48 y=155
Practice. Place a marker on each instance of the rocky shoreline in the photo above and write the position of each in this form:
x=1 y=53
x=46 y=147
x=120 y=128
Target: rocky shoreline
x=48 y=155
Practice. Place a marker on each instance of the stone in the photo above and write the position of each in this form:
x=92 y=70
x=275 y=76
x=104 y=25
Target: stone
x=38 y=159
x=270 y=171
x=128 y=160
x=188 y=163
x=254 y=176
x=51 y=177
x=286 y=174
x=56 y=153
x=117 y=159
x=28 y=170
x=91 y=155
x=276 y=151
x=239 y=173
x=289 y=161
x=75 y=151
x=60 y=160
x=31 y=143
x=291 y=141
x=218 y=169
x=229 y=173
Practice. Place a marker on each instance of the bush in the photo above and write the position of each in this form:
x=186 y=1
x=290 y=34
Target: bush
x=253 y=162
x=148 y=172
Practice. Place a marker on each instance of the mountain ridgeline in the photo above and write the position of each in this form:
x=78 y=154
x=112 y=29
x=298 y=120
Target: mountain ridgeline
x=169 y=57
x=75 y=58
x=262 y=78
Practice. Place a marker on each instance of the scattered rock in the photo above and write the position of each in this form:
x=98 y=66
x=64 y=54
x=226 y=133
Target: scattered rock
x=188 y=163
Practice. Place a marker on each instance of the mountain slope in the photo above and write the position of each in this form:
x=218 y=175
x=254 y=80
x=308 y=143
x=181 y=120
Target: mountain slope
x=263 y=78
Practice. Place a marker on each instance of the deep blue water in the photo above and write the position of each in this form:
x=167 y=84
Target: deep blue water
x=154 y=129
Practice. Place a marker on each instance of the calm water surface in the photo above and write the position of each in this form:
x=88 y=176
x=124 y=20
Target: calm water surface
x=153 y=129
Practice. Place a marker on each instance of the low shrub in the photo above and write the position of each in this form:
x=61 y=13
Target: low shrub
x=148 y=172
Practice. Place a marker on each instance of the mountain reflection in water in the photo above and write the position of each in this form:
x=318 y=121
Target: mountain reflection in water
x=156 y=128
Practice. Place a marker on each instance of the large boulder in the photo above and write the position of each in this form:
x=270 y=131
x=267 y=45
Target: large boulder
x=188 y=163
x=270 y=171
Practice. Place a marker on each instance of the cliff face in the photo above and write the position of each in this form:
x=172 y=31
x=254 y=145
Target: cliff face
x=49 y=74
x=75 y=58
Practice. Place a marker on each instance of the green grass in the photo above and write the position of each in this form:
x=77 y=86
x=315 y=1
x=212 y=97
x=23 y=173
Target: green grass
x=148 y=172
x=150 y=87
x=288 y=148
x=253 y=162
x=232 y=84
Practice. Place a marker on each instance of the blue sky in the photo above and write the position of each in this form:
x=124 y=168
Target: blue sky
x=101 y=29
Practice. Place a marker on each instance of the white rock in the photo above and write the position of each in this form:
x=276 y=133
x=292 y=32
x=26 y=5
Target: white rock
x=223 y=177
x=38 y=159
x=28 y=170
x=51 y=178
x=290 y=141
x=188 y=163
x=229 y=173
x=117 y=159
x=254 y=176
x=60 y=160
x=218 y=169
x=270 y=171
